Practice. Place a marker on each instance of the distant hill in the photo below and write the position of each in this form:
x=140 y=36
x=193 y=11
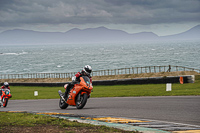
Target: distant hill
x=192 y=34
x=89 y=35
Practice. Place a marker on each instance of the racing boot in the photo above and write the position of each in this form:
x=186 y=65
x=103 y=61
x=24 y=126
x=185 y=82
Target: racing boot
x=68 y=88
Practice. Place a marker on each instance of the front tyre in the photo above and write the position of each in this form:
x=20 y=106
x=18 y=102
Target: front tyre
x=81 y=100
x=5 y=102
x=62 y=104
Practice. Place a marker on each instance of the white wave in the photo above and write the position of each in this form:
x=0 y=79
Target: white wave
x=14 y=53
x=8 y=53
x=40 y=64
x=59 y=66
x=23 y=53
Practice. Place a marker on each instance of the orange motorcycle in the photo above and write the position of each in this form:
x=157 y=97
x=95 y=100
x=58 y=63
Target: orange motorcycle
x=78 y=95
x=5 y=95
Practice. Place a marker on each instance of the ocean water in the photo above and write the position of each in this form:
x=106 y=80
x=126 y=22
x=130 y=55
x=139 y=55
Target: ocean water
x=64 y=58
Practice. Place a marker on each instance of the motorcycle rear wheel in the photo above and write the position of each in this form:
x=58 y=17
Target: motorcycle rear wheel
x=81 y=100
x=62 y=104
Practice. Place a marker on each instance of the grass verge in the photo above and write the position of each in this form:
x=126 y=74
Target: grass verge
x=27 y=92
x=27 y=122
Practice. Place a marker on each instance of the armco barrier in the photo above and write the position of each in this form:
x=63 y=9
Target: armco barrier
x=152 y=80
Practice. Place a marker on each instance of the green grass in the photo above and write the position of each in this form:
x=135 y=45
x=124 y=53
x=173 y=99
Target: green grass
x=148 y=90
x=145 y=90
x=27 y=92
x=12 y=122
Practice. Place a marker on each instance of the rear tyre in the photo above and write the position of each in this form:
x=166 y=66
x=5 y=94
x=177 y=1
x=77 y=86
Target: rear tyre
x=62 y=104
x=5 y=102
x=81 y=100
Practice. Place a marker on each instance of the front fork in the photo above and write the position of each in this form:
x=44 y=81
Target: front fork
x=61 y=95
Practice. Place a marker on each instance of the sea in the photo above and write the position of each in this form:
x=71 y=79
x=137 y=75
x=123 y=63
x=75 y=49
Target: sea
x=65 y=58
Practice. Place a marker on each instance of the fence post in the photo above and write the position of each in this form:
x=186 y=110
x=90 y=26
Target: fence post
x=169 y=70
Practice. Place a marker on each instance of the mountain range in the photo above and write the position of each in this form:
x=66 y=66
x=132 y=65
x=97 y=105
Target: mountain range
x=90 y=35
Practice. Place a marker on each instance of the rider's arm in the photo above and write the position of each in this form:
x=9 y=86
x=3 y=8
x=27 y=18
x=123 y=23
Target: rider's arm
x=76 y=78
x=77 y=75
x=73 y=78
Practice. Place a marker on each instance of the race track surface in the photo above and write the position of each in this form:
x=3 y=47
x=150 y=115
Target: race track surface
x=179 y=109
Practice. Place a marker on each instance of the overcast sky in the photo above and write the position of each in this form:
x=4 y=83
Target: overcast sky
x=163 y=17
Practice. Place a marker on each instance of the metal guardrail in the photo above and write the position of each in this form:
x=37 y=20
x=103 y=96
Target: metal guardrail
x=132 y=70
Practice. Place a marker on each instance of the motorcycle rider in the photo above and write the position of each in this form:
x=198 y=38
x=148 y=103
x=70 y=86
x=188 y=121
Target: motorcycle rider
x=86 y=71
x=5 y=86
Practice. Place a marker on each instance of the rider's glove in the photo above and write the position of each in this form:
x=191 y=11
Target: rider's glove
x=73 y=78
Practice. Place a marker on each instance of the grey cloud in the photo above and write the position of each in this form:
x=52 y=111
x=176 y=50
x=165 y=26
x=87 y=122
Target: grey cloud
x=13 y=12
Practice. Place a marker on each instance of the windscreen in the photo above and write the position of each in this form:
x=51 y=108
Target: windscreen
x=86 y=79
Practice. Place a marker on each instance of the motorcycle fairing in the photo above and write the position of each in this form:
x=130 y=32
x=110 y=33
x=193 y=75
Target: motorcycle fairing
x=81 y=87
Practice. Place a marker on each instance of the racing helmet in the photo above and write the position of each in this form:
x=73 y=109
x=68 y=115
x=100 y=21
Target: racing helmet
x=87 y=69
x=6 y=84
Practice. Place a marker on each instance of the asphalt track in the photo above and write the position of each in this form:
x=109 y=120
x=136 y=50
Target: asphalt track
x=179 y=109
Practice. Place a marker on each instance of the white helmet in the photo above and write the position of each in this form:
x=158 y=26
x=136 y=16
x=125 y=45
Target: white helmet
x=87 y=69
x=6 y=84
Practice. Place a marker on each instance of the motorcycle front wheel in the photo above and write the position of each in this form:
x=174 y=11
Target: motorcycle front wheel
x=81 y=100
x=62 y=104
x=5 y=102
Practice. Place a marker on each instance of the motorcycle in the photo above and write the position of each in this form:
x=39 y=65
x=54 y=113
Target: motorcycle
x=78 y=95
x=4 y=97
